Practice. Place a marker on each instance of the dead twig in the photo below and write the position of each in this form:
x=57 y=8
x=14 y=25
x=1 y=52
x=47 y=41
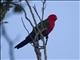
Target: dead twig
x=24 y=26
x=31 y=12
x=43 y=8
x=28 y=18
x=37 y=12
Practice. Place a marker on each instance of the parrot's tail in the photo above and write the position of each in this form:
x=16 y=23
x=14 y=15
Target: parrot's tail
x=28 y=39
x=23 y=43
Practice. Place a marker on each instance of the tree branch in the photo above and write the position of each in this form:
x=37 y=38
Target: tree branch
x=43 y=8
x=28 y=18
x=37 y=50
x=45 y=54
x=34 y=18
x=24 y=26
x=34 y=7
x=31 y=12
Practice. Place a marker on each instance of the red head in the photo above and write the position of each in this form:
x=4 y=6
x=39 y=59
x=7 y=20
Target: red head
x=52 y=18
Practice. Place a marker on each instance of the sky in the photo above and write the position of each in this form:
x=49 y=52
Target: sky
x=63 y=43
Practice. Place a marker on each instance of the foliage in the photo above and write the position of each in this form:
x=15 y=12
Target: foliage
x=18 y=8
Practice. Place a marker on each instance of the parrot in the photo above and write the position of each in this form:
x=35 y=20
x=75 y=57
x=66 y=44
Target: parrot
x=45 y=27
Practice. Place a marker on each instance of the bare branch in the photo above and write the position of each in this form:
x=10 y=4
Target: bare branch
x=31 y=12
x=37 y=50
x=45 y=54
x=24 y=26
x=33 y=17
x=27 y=18
x=37 y=12
x=46 y=41
x=43 y=8
x=38 y=53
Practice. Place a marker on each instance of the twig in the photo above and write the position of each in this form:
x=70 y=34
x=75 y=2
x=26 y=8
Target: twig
x=43 y=8
x=46 y=41
x=33 y=15
x=24 y=26
x=37 y=12
x=38 y=53
x=31 y=12
x=13 y=3
x=28 y=18
x=45 y=54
